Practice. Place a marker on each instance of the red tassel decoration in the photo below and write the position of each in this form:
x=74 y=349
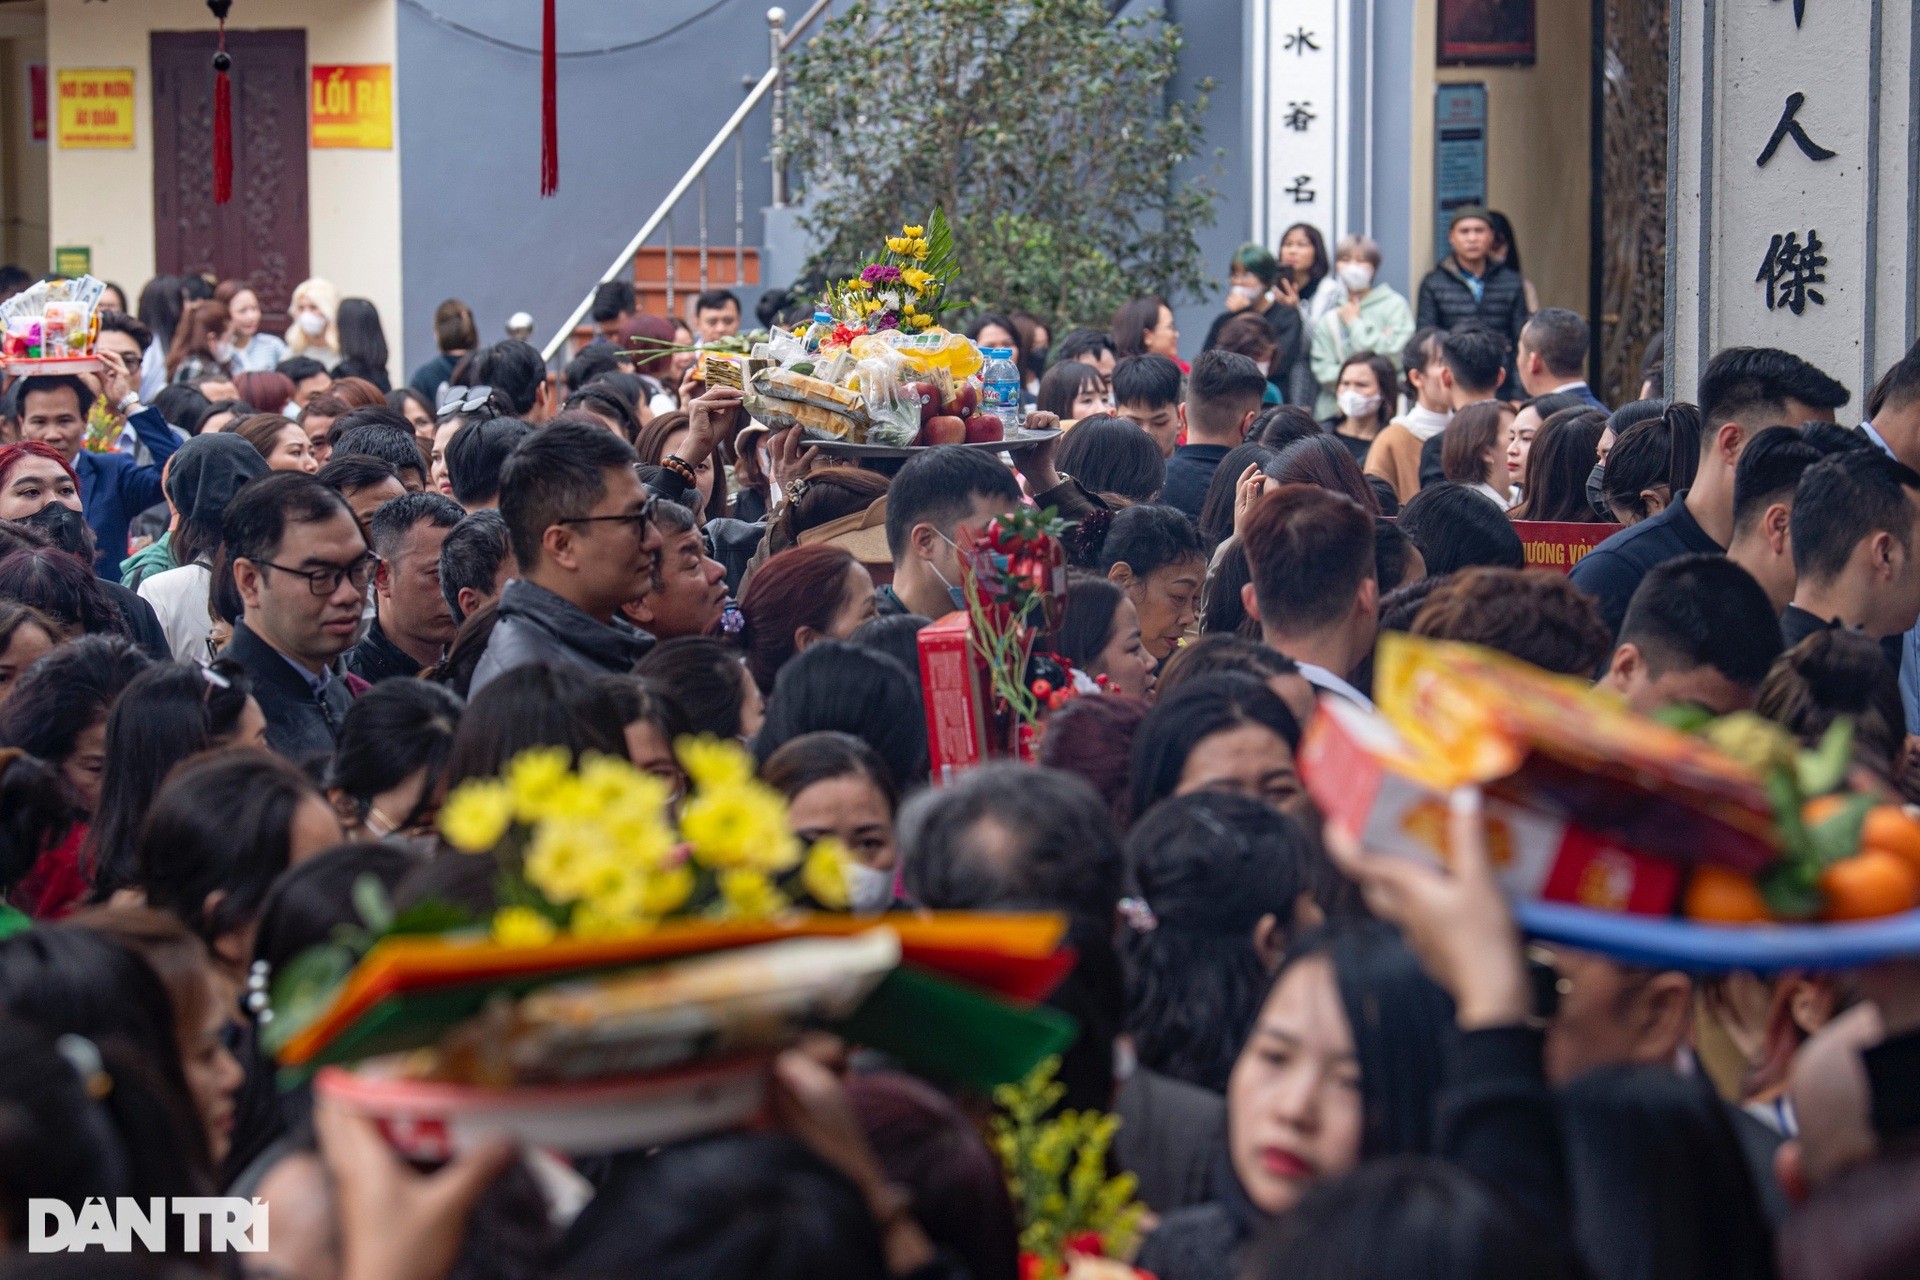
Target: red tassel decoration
x=222 y=110
x=549 y=106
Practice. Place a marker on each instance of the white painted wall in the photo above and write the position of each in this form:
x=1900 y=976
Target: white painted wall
x=105 y=198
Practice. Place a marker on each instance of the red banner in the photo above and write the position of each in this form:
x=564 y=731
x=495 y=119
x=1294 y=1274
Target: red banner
x=1553 y=544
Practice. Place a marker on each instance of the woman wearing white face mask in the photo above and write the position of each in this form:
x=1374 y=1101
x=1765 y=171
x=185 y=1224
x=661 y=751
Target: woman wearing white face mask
x=1371 y=316
x=312 y=334
x=201 y=344
x=1365 y=382
x=836 y=786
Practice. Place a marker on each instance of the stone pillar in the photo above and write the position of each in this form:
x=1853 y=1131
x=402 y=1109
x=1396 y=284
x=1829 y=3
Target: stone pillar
x=1792 y=180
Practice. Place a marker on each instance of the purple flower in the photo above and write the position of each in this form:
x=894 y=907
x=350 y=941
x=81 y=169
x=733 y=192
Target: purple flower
x=879 y=273
x=885 y=320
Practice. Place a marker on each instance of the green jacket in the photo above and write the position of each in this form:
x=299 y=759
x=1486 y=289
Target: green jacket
x=1385 y=324
x=155 y=557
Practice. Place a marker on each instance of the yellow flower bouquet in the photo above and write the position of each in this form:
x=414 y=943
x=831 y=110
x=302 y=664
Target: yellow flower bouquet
x=596 y=851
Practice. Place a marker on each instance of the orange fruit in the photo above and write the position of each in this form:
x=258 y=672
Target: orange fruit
x=1892 y=828
x=1721 y=895
x=1820 y=808
x=1870 y=884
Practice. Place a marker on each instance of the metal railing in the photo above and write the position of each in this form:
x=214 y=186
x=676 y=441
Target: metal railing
x=780 y=38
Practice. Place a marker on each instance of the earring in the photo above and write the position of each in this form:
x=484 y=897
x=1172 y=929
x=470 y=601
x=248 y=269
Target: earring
x=257 y=999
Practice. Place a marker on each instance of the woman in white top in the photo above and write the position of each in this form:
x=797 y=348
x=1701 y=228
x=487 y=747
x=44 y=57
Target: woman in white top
x=315 y=304
x=253 y=351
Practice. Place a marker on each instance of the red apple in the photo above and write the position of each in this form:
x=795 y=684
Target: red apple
x=966 y=400
x=985 y=428
x=928 y=396
x=945 y=429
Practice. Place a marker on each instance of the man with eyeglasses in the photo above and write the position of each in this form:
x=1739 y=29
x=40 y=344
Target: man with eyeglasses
x=301 y=567
x=581 y=526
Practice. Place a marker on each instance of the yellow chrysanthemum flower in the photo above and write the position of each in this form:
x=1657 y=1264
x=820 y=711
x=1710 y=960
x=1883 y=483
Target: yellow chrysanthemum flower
x=899 y=244
x=858 y=283
x=739 y=826
x=825 y=874
x=476 y=815
x=713 y=762
x=590 y=921
x=916 y=279
x=919 y=250
x=913 y=233
x=749 y=895
x=562 y=856
x=542 y=782
x=667 y=891
x=522 y=927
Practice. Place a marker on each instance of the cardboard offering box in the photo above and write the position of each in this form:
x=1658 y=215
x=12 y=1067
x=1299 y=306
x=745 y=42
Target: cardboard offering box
x=1588 y=803
x=1355 y=768
x=958 y=698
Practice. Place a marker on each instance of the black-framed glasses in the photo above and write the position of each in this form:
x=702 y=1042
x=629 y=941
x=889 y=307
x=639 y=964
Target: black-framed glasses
x=324 y=582
x=636 y=520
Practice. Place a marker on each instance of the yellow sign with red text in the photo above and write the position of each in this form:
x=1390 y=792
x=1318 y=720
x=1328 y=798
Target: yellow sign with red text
x=95 y=108
x=353 y=107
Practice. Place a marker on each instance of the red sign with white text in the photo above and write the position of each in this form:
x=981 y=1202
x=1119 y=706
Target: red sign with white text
x=1554 y=544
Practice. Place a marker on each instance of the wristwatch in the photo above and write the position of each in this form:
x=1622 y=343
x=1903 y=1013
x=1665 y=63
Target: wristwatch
x=127 y=403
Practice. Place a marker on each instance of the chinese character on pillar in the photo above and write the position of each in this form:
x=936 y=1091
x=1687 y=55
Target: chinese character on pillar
x=1790 y=268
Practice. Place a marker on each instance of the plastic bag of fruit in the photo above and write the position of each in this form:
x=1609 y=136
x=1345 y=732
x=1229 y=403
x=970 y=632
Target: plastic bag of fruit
x=893 y=412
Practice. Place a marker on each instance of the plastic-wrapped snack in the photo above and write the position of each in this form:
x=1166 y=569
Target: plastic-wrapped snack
x=893 y=409
x=781 y=398
x=782 y=347
x=750 y=999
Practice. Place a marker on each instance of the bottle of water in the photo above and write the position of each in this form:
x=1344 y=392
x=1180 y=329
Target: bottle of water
x=818 y=331
x=1000 y=387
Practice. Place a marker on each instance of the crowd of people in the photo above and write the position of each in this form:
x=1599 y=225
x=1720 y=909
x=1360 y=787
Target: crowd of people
x=247 y=649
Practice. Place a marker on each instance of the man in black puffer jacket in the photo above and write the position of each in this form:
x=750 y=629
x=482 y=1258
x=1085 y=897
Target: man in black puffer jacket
x=1469 y=285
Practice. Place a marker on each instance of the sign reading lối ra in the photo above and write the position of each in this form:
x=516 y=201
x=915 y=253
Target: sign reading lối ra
x=1792 y=184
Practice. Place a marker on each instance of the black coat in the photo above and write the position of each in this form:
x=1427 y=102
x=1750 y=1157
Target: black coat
x=300 y=723
x=1446 y=300
x=1289 y=336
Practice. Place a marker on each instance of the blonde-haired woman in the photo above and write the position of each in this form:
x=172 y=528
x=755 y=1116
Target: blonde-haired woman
x=313 y=334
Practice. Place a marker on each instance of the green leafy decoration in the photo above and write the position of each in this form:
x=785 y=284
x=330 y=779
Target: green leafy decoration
x=1046 y=133
x=1056 y=1168
x=1825 y=767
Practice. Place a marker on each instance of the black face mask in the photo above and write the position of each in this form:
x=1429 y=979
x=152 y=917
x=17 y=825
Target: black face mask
x=64 y=527
x=1595 y=495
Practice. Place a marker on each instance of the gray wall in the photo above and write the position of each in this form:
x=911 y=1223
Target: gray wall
x=473 y=225
x=1215 y=32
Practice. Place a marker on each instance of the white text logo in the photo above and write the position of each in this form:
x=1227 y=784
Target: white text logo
x=229 y=1222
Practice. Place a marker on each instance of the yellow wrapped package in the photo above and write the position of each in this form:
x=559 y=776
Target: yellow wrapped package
x=928 y=351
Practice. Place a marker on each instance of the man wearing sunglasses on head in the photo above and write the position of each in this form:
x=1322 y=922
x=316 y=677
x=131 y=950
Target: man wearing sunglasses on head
x=300 y=564
x=581 y=526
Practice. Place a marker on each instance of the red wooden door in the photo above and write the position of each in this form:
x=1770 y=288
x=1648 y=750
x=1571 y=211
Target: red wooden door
x=261 y=234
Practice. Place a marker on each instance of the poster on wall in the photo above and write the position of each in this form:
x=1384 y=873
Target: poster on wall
x=353 y=107
x=1459 y=153
x=1486 y=32
x=96 y=108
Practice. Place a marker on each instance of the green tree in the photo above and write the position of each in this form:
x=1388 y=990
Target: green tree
x=1045 y=128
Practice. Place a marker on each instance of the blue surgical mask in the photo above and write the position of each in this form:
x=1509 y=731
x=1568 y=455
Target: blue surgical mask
x=954 y=593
